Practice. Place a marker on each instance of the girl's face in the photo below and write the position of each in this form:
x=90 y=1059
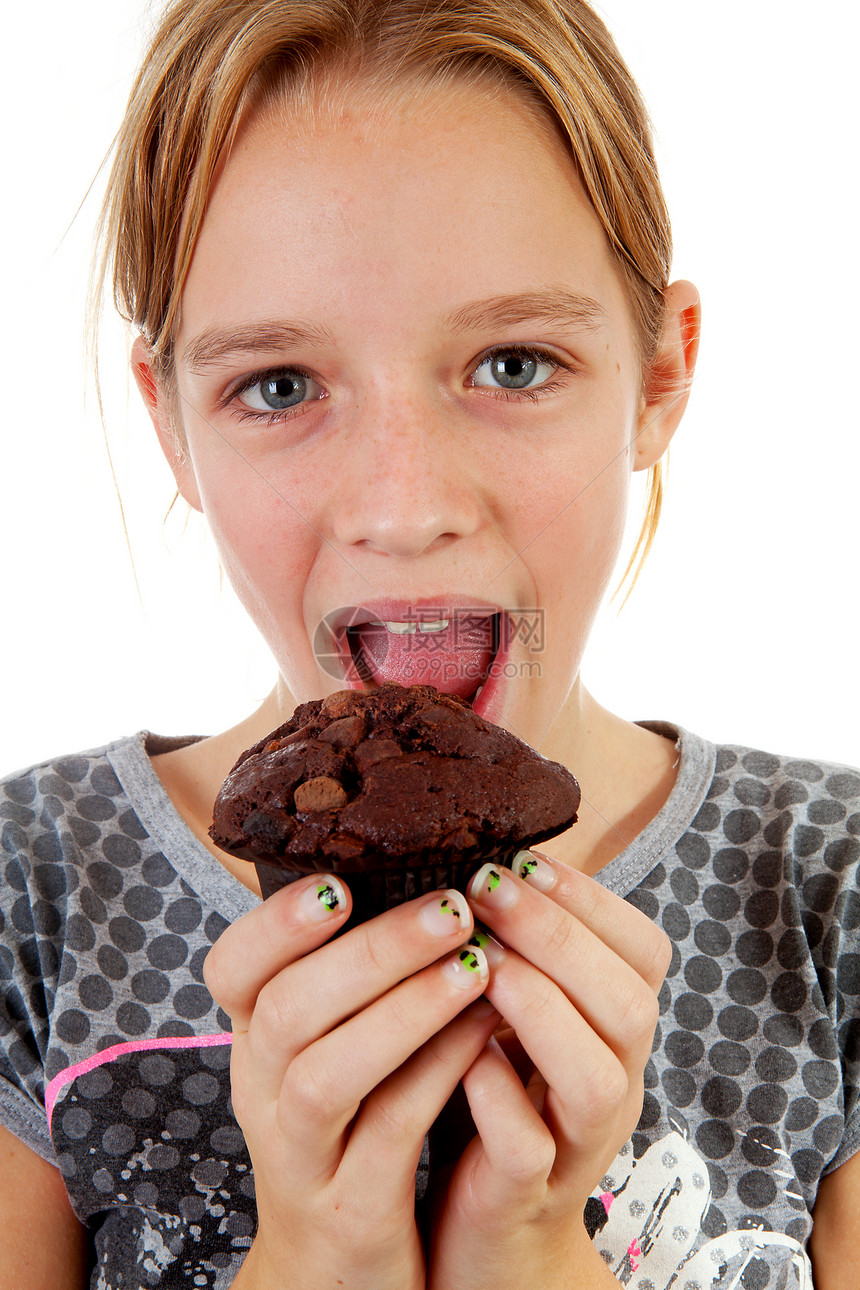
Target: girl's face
x=409 y=387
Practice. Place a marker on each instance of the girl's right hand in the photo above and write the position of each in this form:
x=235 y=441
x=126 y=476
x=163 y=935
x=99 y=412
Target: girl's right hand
x=344 y=1053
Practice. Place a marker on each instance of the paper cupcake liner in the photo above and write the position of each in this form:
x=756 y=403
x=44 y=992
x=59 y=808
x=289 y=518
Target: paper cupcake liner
x=376 y=890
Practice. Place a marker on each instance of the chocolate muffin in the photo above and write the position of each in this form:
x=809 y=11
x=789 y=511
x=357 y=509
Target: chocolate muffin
x=402 y=790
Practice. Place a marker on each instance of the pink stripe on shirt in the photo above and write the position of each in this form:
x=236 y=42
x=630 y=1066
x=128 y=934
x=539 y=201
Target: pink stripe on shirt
x=71 y=1073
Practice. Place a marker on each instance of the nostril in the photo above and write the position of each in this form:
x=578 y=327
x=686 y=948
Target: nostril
x=405 y=541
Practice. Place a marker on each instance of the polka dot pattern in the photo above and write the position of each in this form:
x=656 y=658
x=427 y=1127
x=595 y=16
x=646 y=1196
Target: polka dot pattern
x=115 y=891
x=103 y=948
x=154 y=1132
x=750 y=1092
x=759 y=898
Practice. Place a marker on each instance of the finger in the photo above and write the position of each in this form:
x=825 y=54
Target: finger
x=571 y=1054
x=404 y=1107
x=594 y=1083
x=294 y=921
x=509 y=1042
x=609 y=993
x=324 y=989
x=517 y=1151
x=625 y=929
x=325 y=1084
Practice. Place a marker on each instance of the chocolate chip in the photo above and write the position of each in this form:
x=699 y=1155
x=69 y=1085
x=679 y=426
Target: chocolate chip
x=344 y=733
x=440 y=712
x=343 y=703
x=320 y=794
x=286 y=742
x=374 y=750
x=322 y=759
x=344 y=849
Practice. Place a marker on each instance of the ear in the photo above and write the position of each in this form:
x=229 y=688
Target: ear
x=668 y=381
x=158 y=405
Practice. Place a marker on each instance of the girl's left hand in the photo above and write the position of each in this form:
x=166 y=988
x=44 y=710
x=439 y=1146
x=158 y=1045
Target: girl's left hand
x=577 y=983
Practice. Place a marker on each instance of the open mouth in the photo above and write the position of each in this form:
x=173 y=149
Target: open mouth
x=455 y=654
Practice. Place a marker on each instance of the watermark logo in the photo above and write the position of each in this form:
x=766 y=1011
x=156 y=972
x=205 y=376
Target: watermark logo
x=529 y=627
x=444 y=649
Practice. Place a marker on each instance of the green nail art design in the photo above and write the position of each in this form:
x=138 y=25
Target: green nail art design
x=328 y=897
x=448 y=907
x=493 y=879
x=479 y=939
x=527 y=868
x=469 y=961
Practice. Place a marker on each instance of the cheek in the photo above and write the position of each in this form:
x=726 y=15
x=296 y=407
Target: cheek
x=581 y=549
x=259 y=524
x=571 y=508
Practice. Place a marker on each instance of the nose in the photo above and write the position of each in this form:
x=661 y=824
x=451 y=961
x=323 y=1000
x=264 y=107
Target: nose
x=406 y=487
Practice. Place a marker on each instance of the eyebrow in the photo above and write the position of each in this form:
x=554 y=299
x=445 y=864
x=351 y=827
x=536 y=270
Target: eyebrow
x=214 y=344
x=555 y=305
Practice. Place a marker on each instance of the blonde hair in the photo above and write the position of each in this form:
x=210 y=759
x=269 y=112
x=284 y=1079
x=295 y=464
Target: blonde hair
x=210 y=61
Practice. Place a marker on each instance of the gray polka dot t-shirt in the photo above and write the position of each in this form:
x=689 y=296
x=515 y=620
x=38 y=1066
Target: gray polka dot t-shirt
x=114 y=1059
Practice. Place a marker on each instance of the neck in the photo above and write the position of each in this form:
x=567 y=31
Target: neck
x=626 y=774
x=193 y=775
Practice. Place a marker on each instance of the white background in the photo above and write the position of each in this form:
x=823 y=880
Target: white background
x=743 y=625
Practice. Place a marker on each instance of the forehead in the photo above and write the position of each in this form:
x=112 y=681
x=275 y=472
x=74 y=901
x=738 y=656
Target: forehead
x=415 y=122
x=441 y=192
x=332 y=95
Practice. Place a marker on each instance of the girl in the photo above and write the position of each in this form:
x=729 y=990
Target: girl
x=400 y=283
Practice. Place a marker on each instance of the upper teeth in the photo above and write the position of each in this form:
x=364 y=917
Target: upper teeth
x=404 y=629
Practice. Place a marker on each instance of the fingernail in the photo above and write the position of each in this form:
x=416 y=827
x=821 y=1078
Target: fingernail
x=534 y=870
x=481 y=939
x=466 y=966
x=444 y=913
x=493 y=886
x=322 y=899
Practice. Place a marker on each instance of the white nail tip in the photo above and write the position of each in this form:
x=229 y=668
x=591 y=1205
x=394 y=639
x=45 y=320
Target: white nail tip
x=466 y=966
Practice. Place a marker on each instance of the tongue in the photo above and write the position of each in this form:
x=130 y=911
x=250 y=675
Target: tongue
x=456 y=660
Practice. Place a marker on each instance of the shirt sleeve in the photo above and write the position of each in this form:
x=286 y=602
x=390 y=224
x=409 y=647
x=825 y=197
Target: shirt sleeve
x=25 y=1120
x=29 y=961
x=829 y=895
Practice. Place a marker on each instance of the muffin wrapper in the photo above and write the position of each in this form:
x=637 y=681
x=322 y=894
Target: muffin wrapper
x=375 y=890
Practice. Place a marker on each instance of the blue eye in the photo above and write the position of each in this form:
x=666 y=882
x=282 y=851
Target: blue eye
x=513 y=369
x=279 y=391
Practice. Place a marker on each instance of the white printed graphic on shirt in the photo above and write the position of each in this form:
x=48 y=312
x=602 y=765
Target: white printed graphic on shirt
x=655 y=1206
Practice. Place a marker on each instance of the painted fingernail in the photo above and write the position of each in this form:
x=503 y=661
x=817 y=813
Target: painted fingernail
x=492 y=886
x=481 y=939
x=444 y=913
x=534 y=870
x=466 y=966
x=323 y=898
